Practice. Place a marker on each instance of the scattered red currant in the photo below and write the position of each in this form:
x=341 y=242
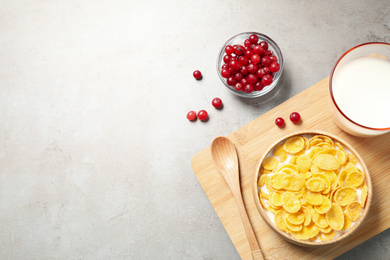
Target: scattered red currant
x=217 y=102
x=295 y=117
x=279 y=122
x=202 y=115
x=197 y=74
x=191 y=116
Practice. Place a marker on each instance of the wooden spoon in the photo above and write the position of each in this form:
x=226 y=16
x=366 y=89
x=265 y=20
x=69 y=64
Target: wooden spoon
x=225 y=158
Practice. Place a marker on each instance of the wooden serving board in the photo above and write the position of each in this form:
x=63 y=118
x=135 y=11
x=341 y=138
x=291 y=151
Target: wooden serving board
x=251 y=142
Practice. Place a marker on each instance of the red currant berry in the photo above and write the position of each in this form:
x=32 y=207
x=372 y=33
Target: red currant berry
x=247 y=43
x=248 y=88
x=261 y=72
x=266 y=79
x=279 y=122
x=229 y=49
x=258 y=86
x=217 y=102
x=266 y=61
x=225 y=67
x=202 y=115
x=238 y=86
x=253 y=38
x=234 y=65
x=191 y=115
x=295 y=117
x=252 y=68
x=243 y=60
x=258 y=49
x=251 y=79
x=248 y=54
x=231 y=81
x=240 y=50
x=227 y=58
x=255 y=58
x=264 y=44
x=225 y=73
x=273 y=58
x=244 y=70
x=244 y=82
x=232 y=71
x=268 y=53
x=239 y=76
x=197 y=74
x=274 y=67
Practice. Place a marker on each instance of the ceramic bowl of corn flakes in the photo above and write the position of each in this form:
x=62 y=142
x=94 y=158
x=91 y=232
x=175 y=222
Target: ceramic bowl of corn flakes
x=312 y=188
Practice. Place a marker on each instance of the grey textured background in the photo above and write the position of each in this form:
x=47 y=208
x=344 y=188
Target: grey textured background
x=95 y=147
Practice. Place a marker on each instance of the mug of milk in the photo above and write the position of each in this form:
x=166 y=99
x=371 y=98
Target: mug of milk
x=359 y=88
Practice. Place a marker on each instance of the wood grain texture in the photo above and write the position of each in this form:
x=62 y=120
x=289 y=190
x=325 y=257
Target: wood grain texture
x=252 y=140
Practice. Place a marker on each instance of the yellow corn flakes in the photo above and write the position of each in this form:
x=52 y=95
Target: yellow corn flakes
x=315 y=191
x=304 y=163
x=316 y=184
x=326 y=162
x=335 y=217
x=290 y=202
x=344 y=196
x=270 y=163
x=293 y=182
x=294 y=144
x=353 y=210
x=354 y=179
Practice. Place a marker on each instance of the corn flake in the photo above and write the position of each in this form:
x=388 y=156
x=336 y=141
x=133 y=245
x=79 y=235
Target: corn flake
x=296 y=218
x=354 y=179
x=304 y=163
x=335 y=217
x=270 y=163
x=324 y=207
x=293 y=182
x=306 y=213
x=306 y=232
x=326 y=162
x=290 y=202
x=276 y=180
x=363 y=195
x=353 y=210
x=344 y=196
x=294 y=144
x=315 y=184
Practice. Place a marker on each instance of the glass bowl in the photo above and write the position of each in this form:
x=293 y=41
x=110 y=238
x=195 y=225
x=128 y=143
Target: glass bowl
x=239 y=39
x=364 y=103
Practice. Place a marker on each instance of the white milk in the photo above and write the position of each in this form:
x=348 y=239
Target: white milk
x=361 y=90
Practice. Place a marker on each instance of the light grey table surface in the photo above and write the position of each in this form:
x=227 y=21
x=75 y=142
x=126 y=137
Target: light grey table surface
x=95 y=147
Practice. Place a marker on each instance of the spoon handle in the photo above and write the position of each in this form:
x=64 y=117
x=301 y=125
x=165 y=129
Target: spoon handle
x=253 y=244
